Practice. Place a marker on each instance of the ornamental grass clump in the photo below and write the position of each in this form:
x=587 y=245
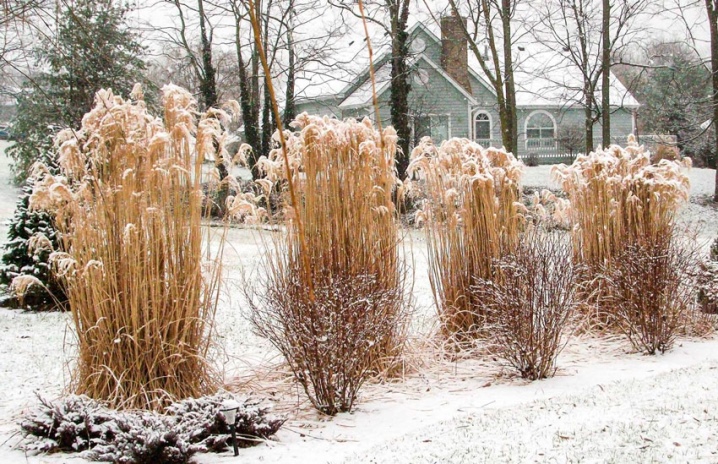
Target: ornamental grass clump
x=128 y=205
x=333 y=300
x=473 y=215
x=619 y=200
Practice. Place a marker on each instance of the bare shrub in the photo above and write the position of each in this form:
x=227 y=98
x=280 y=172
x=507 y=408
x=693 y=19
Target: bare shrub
x=618 y=199
x=531 y=300
x=473 y=215
x=128 y=205
x=335 y=305
x=651 y=290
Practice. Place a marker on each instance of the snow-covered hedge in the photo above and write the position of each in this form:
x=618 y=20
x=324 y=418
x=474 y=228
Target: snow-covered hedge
x=80 y=424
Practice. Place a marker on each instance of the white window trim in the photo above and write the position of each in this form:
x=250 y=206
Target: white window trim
x=526 y=125
x=473 y=124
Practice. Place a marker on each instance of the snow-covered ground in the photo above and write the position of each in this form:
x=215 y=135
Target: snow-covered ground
x=607 y=404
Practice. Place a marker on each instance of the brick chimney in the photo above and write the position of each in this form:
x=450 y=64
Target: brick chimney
x=454 y=50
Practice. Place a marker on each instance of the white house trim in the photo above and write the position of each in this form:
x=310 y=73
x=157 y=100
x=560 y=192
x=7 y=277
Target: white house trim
x=526 y=125
x=475 y=113
x=450 y=79
x=535 y=112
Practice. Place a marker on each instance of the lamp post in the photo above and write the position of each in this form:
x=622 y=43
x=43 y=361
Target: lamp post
x=229 y=409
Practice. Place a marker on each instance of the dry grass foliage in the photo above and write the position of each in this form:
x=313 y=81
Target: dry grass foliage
x=338 y=313
x=530 y=301
x=128 y=205
x=618 y=198
x=473 y=216
x=652 y=291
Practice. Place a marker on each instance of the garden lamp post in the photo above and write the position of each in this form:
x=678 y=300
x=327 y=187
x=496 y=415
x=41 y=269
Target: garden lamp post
x=229 y=409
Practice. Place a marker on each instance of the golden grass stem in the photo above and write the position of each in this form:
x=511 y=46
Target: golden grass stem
x=283 y=142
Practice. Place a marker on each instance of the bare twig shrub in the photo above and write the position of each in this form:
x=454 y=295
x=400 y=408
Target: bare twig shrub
x=652 y=291
x=344 y=318
x=618 y=199
x=473 y=215
x=128 y=205
x=530 y=301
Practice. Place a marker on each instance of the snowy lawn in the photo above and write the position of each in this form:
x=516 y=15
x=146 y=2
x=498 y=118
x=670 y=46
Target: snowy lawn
x=606 y=404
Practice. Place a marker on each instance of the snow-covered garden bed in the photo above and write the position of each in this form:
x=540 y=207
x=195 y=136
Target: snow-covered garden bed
x=606 y=404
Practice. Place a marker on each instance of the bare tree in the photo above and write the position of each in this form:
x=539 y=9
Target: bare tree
x=682 y=10
x=392 y=17
x=712 y=10
x=491 y=20
x=577 y=29
x=606 y=73
x=188 y=16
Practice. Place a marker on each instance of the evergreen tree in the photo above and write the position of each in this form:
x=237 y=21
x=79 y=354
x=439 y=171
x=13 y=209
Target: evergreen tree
x=93 y=49
x=19 y=258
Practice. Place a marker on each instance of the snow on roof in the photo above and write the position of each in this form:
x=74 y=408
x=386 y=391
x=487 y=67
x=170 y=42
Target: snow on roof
x=544 y=78
x=362 y=96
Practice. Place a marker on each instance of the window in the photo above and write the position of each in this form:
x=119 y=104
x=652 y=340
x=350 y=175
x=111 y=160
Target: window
x=434 y=126
x=540 y=126
x=482 y=126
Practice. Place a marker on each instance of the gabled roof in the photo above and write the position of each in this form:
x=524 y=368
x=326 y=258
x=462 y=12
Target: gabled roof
x=543 y=79
x=362 y=95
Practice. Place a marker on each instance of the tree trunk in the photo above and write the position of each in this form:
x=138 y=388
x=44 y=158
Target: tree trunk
x=208 y=81
x=511 y=116
x=712 y=8
x=249 y=112
x=606 y=75
x=268 y=124
x=588 y=110
x=400 y=86
x=290 y=110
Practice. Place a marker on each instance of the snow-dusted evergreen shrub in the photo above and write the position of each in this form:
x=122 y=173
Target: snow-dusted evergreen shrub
x=530 y=299
x=333 y=299
x=708 y=281
x=31 y=239
x=80 y=424
x=473 y=214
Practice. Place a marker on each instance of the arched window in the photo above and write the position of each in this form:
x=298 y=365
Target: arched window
x=540 y=125
x=482 y=126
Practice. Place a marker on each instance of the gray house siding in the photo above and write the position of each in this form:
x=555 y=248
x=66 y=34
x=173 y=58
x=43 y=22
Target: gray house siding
x=440 y=108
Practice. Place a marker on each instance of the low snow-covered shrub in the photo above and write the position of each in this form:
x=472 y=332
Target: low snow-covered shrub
x=651 y=290
x=473 y=214
x=530 y=301
x=708 y=281
x=80 y=424
x=332 y=297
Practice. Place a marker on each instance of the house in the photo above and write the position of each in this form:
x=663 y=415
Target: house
x=451 y=97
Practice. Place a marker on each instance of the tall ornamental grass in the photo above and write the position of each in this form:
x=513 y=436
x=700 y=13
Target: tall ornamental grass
x=618 y=198
x=473 y=216
x=128 y=205
x=333 y=302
